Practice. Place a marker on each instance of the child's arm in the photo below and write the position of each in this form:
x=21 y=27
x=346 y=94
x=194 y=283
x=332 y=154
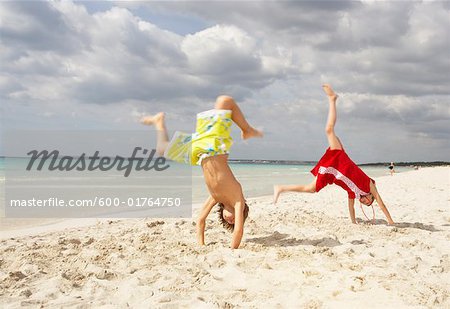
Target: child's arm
x=351 y=209
x=238 y=230
x=374 y=191
x=207 y=206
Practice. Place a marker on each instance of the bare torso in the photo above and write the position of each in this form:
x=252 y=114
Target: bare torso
x=219 y=179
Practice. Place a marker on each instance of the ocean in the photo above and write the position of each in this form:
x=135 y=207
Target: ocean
x=257 y=179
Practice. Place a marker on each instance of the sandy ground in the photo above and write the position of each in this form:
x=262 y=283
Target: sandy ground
x=302 y=253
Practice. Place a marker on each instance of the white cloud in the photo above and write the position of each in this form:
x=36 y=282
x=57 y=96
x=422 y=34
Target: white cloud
x=388 y=60
x=220 y=50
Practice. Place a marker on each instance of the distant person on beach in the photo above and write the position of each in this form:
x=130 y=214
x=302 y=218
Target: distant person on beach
x=336 y=167
x=391 y=168
x=209 y=147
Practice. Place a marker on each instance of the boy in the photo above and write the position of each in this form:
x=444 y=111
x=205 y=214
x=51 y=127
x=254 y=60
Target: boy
x=209 y=147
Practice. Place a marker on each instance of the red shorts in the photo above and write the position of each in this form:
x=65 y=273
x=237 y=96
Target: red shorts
x=336 y=167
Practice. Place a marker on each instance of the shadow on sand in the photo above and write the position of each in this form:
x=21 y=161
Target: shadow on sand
x=415 y=225
x=284 y=240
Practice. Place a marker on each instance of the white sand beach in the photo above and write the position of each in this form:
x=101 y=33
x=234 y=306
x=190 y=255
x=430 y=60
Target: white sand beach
x=302 y=253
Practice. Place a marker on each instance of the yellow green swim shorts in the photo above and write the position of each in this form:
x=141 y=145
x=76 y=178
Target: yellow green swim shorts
x=211 y=138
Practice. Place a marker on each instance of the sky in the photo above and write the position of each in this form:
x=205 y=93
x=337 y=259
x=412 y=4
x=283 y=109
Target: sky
x=101 y=65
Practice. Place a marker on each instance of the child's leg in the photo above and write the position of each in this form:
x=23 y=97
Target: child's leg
x=277 y=190
x=226 y=102
x=333 y=140
x=162 y=140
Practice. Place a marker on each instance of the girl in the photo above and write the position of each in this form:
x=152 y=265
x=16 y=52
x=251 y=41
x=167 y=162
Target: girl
x=336 y=167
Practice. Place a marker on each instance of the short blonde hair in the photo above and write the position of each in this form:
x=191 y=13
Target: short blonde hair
x=225 y=224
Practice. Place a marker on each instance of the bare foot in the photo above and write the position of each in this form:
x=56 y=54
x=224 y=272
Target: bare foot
x=156 y=120
x=251 y=132
x=276 y=193
x=329 y=92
